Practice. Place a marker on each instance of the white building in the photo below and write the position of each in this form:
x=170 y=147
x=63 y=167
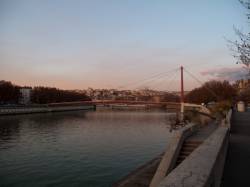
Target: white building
x=25 y=96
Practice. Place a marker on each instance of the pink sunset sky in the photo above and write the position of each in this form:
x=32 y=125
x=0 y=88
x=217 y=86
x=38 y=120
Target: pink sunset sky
x=118 y=44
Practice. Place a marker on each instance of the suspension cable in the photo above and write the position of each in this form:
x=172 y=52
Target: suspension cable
x=202 y=84
x=148 y=78
x=158 y=78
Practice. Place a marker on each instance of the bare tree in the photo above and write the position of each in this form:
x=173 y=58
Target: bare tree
x=241 y=47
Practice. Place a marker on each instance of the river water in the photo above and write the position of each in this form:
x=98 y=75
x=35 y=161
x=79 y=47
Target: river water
x=90 y=149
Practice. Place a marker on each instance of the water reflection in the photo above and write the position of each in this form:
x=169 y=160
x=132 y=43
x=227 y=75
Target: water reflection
x=77 y=148
x=9 y=127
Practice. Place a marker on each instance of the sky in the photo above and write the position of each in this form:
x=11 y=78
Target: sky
x=120 y=44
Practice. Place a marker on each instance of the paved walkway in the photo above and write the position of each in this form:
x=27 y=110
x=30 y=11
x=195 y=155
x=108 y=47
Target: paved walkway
x=204 y=132
x=237 y=166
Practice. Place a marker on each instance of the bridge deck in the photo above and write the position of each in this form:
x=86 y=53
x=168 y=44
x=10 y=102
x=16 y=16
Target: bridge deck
x=237 y=166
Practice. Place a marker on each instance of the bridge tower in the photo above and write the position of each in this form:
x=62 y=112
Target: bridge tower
x=182 y=86
x=182 y=96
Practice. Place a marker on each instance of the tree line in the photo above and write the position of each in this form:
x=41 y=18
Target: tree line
x=43 y=95
x=210 y=91
x=213 y=91
x=10 y=94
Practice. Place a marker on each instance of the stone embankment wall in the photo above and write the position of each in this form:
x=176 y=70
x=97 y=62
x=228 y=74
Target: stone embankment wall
x=170 y=156
x=43 y=109
x=204 y=167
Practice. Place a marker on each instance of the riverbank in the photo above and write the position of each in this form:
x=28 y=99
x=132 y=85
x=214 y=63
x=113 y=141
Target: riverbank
x=42 y=109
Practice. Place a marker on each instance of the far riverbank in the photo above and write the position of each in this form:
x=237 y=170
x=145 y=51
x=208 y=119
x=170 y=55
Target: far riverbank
x=44 y=108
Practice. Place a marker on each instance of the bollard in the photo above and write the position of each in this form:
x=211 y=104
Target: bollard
x=241 y=106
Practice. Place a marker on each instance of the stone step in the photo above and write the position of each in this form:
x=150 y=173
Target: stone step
x=193 y=142
x=190 y=145
x=179 y=160
x=181 y=157
x=182 y=153
x=187 y=149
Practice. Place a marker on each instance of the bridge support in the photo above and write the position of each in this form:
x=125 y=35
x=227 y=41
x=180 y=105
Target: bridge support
x=182 y=86
x=182 y=96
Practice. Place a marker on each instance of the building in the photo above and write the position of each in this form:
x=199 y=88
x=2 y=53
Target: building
x=25 y=95
x=243 y=84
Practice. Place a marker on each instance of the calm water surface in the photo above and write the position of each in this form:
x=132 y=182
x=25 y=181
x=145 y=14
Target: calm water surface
x=91 y=149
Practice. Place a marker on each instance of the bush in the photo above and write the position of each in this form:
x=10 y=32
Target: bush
x=220 y=109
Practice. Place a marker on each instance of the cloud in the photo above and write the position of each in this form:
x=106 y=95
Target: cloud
x=231 y=74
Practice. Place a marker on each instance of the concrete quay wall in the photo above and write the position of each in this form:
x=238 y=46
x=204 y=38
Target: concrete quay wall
x=204 y=167
x=170 y=156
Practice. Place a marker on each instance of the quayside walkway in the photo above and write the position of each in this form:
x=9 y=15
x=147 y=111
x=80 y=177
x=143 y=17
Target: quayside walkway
x=237 y=166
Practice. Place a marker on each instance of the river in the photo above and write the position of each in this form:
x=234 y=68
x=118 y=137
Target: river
x=79 y=148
